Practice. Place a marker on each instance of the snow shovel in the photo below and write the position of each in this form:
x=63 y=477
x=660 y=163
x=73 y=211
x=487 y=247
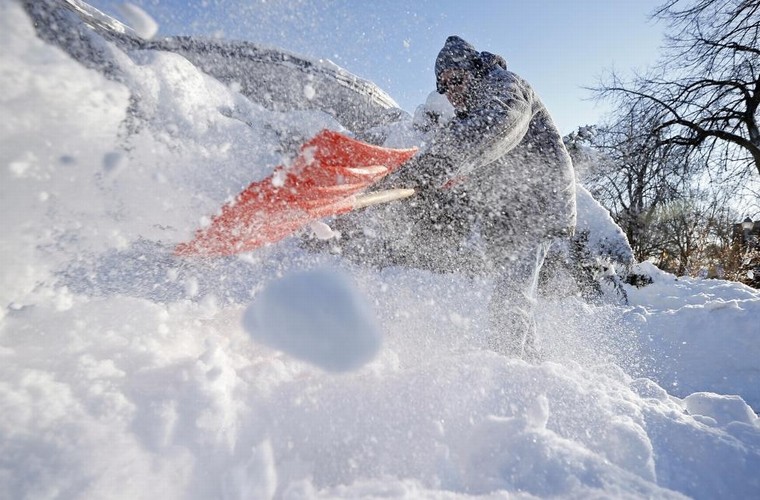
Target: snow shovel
x=328 y=177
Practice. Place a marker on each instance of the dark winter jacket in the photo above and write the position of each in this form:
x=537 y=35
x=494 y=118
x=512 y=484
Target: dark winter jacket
x=492 y=183
x=499 y=169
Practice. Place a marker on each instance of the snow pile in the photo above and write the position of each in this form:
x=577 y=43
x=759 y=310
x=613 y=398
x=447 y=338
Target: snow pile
x=604 y=237
x=699 y=335
x=128 y=373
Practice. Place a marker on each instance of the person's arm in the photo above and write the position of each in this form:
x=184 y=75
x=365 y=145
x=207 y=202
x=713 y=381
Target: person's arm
x=487 y=133
x=465 y=144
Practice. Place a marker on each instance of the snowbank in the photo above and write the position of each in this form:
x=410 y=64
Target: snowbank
x=699 y=334
x=127 y=373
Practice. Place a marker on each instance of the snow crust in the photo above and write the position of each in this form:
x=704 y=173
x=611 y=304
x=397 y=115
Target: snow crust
x=128 y=373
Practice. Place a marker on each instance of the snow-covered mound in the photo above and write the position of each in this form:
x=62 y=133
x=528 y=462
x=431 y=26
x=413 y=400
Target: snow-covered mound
x=604 y=237
x=270 y=77
x=128 y=373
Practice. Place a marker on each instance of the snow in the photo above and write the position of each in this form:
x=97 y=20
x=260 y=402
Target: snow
x=318 y=316
x=605 y=238
x=322 y=231
x=143 y=24
x=128 y=373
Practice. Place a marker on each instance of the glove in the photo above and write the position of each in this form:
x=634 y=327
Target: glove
x=426 y=173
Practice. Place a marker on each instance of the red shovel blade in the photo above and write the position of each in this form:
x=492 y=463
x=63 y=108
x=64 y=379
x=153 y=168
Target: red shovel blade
x=329 y=171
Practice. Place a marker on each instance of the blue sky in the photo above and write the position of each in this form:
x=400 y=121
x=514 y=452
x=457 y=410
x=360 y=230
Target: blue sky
x=560 y=46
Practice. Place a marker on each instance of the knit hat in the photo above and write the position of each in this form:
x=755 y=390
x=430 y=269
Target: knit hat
x=456 y=53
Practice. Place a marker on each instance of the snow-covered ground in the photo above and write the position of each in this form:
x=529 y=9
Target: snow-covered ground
x=128 y=373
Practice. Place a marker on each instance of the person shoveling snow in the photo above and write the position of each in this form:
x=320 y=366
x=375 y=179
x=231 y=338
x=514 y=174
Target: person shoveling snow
x=494 y=186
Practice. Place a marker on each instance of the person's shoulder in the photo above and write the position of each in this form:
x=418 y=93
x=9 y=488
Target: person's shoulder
x=513 y=78
x=511 y=82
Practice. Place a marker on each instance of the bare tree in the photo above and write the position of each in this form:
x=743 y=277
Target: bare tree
x=707 y=89
x=632 y=173
x=694 y=233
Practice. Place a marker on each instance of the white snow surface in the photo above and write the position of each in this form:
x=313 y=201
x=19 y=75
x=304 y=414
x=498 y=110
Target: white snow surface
x=128 y=373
